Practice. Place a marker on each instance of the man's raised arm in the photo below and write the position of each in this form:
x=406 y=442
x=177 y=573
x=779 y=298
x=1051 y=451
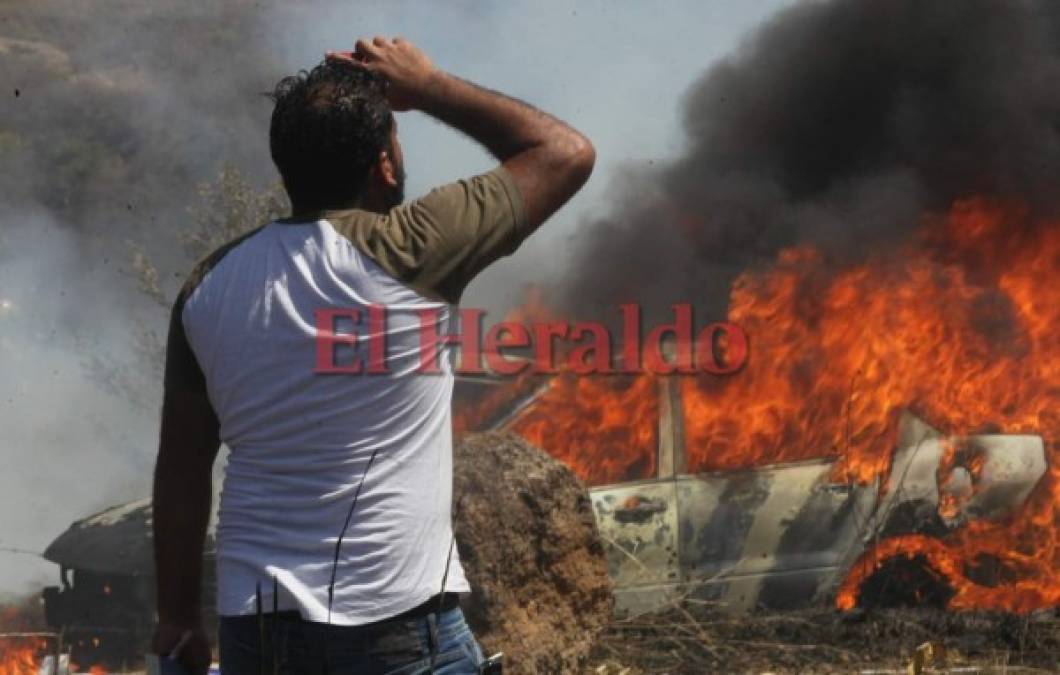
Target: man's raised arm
x=548 y=159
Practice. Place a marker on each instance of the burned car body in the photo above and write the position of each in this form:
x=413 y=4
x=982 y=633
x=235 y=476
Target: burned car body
x=783 y=536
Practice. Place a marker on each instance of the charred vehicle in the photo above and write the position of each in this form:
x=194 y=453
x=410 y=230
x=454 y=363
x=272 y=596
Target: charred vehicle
x=104 y=604
x=791 y=534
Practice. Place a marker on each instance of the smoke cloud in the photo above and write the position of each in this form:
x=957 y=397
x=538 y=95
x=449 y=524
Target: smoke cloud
x=836 y=124
x=109 y=119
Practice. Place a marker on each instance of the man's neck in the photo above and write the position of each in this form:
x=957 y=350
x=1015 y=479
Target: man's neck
x=303 y=212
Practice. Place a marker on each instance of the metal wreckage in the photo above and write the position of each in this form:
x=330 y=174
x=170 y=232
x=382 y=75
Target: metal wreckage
x=779 y=536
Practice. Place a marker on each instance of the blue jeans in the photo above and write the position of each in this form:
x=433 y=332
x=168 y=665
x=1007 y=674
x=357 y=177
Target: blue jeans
x=398 y=647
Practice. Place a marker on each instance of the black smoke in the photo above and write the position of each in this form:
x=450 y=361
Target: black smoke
x=837 y=124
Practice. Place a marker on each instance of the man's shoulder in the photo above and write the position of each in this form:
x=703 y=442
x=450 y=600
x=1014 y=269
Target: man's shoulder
x=210 y=261
x=437 y=243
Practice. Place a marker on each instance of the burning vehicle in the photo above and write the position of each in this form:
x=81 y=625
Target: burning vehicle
x=787 y=534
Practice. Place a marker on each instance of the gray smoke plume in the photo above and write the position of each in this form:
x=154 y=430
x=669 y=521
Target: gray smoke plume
x=110 y=116
x=837 y=124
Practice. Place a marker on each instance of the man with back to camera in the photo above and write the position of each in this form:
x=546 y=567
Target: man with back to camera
x=360 y=593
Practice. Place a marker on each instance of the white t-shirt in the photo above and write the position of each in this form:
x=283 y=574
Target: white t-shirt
x=247 y=329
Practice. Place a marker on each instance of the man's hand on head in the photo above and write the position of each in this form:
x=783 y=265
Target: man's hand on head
x=407 y=70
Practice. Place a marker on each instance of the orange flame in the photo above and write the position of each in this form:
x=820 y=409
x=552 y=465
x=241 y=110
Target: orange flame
x=604 y=428
x=18 y=656
x=838 y=353
x=961 y=324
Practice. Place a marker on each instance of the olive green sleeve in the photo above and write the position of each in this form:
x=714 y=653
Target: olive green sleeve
x=438 y=243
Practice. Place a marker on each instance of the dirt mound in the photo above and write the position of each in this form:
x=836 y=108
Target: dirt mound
x=529 y=545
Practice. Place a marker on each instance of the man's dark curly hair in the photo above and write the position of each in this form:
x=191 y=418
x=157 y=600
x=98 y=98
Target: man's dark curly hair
x=328 y=128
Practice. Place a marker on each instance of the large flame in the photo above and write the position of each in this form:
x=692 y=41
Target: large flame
x=605 y=428
x=957 y=325
x=961 y=325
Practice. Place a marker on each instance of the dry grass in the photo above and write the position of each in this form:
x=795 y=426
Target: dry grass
x=691 y=638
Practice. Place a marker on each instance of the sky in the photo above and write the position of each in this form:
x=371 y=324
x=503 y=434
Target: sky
x=616 y=70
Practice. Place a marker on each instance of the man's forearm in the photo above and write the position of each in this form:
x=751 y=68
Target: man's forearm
x=547 y=159
x=183 y=490
x=181 y=512
x=504 y=125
